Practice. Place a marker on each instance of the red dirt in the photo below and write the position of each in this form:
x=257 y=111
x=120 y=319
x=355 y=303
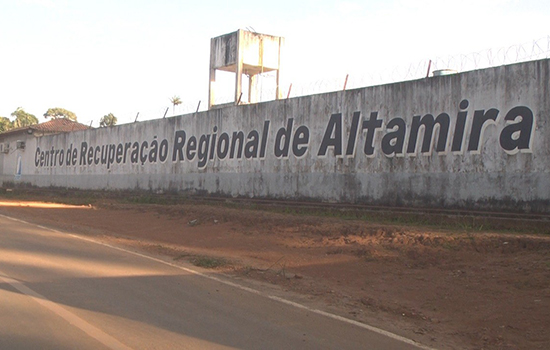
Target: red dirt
x=446 y=289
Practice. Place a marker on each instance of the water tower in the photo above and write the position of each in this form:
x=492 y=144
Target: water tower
x=245 y=53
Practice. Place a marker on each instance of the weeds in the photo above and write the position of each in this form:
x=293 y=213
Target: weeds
x=204 y=261
x=449 y=246
x=182 y=256
x=209 y=262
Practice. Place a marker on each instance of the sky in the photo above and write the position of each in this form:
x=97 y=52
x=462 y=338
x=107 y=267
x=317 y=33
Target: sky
x=128 y=57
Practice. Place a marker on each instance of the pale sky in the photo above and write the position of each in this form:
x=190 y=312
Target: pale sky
x=124 y=57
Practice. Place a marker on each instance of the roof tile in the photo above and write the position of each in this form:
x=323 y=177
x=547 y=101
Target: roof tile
x=59 y=125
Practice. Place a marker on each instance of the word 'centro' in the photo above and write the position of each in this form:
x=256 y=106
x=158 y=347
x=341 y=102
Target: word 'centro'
x=397 y=139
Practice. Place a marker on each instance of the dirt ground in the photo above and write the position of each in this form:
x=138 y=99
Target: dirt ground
x=449 y=289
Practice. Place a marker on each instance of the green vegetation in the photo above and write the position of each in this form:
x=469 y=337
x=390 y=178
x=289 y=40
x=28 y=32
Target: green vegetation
x=58 y=112
x=175 y=100
x=108 y=120
x=22 y=119
x=208 y=262
x=5 y=124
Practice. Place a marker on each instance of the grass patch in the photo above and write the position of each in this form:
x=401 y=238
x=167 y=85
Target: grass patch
x=155 y=199
x=65 y=196
x=208 y=262
x=181 y=256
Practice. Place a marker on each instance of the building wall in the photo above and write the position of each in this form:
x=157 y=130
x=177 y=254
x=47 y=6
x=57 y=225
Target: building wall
x=11 y=160
x=489 y=148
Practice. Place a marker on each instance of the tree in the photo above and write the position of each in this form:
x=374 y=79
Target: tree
x=5 y=124
x=23 y=118
x=175 y=101
x=57 y=112
x=107 y=120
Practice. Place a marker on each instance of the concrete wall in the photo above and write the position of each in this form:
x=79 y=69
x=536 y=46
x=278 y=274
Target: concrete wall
x=489 y=147
x=12 y=157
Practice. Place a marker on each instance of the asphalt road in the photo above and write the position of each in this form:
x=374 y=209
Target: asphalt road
x=59 y=291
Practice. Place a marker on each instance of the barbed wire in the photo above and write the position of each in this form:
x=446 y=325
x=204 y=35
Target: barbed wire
x=537 y=49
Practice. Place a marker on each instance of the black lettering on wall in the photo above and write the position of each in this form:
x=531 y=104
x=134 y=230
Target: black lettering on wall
x=54 y=156
x=238 y=138
x=202 y=151
x=192 y=148
x=223 y=146
x=104 y=154
x=265 y=134
x=393 y=142
x=213 y=144
x=481 y=120
x=143 y=152
x=119 y=152
x=515 y=131
x=460 y=126
x=428 y=123
x=179 y=143
x=83 y=149
x=127 y=146
x=111 y=157
x=134 y=155
x=75 y=155
x=352 y=140
x=68 y=161
x=90 y=155
x=370 y=126
x=61 y=157
x=47 y=158
x=517 y=136
x=97 y=151
x=252 y=144
x=300 y=141
x=154 y=151
x=37 y=157
x=282 y=140
x=163 y=151
x=333 y=136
